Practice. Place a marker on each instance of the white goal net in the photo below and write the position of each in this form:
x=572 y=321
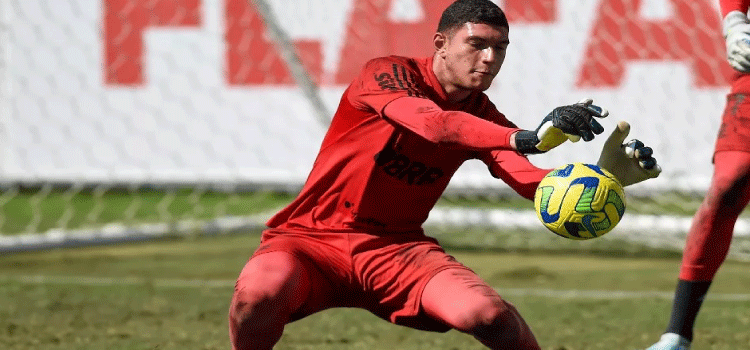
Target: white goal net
x=195 y=96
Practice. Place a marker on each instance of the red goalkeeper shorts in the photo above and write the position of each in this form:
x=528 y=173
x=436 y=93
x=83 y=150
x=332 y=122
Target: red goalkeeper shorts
x=734 y=133
x=385 y=274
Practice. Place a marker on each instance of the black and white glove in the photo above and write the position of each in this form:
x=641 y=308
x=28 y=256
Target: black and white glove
x=631 y=162
x=571 y=122
x=736 y=30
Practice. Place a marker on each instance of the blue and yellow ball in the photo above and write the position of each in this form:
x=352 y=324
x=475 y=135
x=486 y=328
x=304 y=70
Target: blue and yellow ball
x=579 y=201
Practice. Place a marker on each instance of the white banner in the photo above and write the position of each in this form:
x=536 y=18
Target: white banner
x=194 y=91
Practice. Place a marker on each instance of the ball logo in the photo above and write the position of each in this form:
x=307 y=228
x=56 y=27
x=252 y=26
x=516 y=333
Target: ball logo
x=580 y=201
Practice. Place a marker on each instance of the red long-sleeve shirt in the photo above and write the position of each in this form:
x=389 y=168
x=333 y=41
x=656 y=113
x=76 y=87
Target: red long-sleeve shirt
x=392 y=147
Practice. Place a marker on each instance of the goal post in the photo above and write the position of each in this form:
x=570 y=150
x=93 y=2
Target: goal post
x=301 y=76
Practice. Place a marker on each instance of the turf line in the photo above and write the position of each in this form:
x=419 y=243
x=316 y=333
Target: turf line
x=187 y=283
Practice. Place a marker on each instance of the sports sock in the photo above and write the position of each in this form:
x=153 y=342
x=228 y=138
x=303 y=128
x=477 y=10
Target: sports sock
x=710 y=234
x=688 y=299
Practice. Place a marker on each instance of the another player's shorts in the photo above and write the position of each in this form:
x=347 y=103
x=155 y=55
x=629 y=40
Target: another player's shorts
x=734 y=133
x=383 y=274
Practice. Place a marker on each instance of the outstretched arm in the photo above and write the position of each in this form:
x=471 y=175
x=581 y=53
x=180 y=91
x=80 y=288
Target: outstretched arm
x=516 y=171
x=425 y=118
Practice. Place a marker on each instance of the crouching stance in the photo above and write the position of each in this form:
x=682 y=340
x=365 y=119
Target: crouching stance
x=353 y=236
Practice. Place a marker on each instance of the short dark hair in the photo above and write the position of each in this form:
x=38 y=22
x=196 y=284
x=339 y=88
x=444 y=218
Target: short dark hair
x=461 y=12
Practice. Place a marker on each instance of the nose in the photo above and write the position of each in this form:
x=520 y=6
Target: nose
x=489 y=55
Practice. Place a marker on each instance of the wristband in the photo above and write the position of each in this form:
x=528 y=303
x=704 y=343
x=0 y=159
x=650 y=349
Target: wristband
x=526 y=142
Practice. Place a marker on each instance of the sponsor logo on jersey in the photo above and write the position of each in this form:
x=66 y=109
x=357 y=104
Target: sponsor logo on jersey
x=405 y=169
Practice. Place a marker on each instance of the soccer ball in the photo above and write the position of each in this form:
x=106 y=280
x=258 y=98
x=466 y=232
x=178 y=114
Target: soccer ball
x=579 y=201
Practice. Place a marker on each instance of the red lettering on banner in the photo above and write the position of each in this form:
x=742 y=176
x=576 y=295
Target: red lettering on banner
x=252 y=58
x=693 y=36
x=370 y=33
x=124 y=24
x=536 y=11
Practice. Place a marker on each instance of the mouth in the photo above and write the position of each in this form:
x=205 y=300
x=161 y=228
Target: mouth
x=483 y=73
x=483 y=70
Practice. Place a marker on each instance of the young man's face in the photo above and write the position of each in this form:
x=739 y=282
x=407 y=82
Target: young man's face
x=473 y=55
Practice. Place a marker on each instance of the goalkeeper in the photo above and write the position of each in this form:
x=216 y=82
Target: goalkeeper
x=353 y=236
x=711 y=232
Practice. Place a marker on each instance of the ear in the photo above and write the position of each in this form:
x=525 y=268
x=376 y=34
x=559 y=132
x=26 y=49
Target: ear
x=439 y=41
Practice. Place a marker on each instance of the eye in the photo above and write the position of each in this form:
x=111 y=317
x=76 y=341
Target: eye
x=479 y=45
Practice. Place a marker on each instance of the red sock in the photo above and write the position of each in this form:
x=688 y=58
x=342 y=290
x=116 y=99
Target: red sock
x=711 y=232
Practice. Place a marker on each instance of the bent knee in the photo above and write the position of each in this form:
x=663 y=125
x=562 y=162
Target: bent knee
x=504 y=328
x=490 y=319
x=480 y=315
x=269 y=285
x=254 y=322
x=259 y=308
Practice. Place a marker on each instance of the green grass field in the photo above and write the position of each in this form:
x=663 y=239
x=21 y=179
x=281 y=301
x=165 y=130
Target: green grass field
x=174 y=295
x=40 y=209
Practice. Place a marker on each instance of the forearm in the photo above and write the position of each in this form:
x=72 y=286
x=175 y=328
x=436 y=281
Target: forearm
x=525 y=182
x=453 y=128
x=516 y=171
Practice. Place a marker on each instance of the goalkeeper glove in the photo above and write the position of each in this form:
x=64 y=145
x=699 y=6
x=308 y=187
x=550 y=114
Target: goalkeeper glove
x=736 y=30
x=630 y=163
x=571 y=122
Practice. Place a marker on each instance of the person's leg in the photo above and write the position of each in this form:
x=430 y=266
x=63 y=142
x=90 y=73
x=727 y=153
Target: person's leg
x=269 y=289
x=709 y=237
x=291 y=275
x=408 y=279
x=460 y=299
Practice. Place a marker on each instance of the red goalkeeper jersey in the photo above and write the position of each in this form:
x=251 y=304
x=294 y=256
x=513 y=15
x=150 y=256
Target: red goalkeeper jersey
x=380 y=172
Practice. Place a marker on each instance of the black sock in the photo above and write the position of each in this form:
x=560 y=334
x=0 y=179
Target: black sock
x=688 y=298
